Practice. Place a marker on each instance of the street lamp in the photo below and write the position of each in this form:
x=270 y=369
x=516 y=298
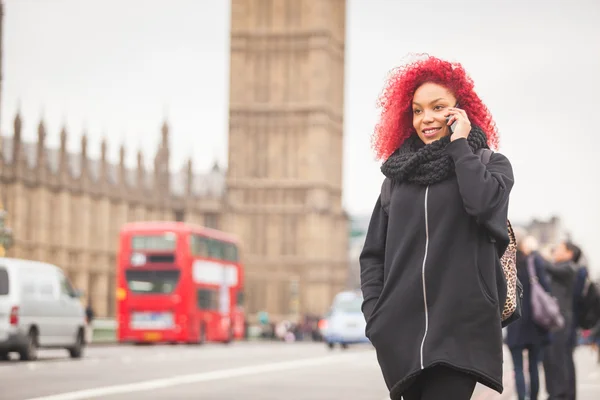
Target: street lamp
x=6 y=235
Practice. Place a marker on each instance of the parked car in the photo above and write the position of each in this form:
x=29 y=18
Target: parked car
x=38 y=309
x=344 y=324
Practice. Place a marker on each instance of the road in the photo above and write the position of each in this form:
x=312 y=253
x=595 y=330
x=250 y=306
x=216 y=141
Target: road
x=253 y=370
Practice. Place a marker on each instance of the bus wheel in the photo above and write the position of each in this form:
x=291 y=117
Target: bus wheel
x=202 y=334
x=229 y=337
x=331 y=345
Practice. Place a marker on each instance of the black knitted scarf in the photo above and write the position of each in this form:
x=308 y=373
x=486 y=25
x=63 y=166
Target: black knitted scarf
x=422 y=164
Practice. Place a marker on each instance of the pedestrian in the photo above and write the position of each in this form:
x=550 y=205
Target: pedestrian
x=524 y=334
x=559 y=368
x=595 y=339
x=430 y=266
x=89 y=320
x=581 y=276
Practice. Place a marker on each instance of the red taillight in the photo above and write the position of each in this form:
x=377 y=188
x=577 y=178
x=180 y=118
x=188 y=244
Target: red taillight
x=14 y=315
x=322 y=324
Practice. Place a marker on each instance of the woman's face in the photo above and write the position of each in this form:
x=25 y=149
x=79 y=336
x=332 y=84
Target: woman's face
x=429 y=111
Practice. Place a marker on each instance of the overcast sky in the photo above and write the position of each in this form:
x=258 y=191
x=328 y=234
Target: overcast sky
x=116 y=68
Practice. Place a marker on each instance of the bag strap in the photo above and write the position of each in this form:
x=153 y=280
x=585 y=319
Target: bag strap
x=531 y=269
x=386 y=194
x=511 y=232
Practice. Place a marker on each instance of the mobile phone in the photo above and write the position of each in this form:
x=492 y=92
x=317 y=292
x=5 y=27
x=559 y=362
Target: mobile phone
x=453 y=126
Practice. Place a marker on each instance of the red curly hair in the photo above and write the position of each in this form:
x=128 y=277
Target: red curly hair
x=396 y=121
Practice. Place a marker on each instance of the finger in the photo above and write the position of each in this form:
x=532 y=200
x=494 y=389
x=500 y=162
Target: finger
x=460 y=114
x=458 y=111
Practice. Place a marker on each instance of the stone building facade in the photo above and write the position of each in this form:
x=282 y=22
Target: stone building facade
x=281 y=194
x=284 y=176
x=67 y=209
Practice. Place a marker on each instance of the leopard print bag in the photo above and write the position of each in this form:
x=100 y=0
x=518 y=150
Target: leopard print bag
x=514 y=292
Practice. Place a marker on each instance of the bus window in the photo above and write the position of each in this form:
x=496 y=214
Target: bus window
x=216 y=249
x=240 y=299
x=231 y=253
x=152 y=282
x=207 y=299
x=199 y=246
x=165 y=242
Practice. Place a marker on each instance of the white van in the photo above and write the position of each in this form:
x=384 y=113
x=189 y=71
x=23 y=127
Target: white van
x=38 y=309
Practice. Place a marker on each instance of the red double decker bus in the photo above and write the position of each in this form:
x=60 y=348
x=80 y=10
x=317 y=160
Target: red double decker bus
x=178 y=283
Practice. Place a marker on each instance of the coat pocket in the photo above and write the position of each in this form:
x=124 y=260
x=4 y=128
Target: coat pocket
x=484 y=287
x=372 y=316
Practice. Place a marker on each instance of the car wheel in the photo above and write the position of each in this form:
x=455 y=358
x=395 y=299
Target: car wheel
x=30 y=352
x=77 y=350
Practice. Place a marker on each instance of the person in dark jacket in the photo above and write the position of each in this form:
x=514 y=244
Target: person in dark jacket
x=430 y=267
x=525 y=334
x=595 y=339
x=581 y=276
x=559 y=366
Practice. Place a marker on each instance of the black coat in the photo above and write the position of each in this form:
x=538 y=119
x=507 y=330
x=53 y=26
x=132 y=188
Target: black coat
x=431 y=274
x=524 y=332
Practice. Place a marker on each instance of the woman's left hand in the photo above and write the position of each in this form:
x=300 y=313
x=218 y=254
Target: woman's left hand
x=463 y=126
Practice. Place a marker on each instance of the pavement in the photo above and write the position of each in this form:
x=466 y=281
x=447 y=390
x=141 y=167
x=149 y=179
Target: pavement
x=248 y=370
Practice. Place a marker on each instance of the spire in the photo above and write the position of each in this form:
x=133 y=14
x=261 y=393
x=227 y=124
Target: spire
x=103 y=166
x=41 y=145
x=63 y=138
x=83 y=155
x=122 y=170
x=84 y=146
x=165 y=134
x=103 y=147
x=62 y=166
x=141 y=173
x=189 y=176
x=17 y=125
x=122 y=156
x=17 y=138
x=140 y=160
x=41 y=132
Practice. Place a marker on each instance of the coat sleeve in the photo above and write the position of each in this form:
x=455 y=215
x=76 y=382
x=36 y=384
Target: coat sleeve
x=562 y=272
x=372 y=259
x=484 y=189
x=540 y=271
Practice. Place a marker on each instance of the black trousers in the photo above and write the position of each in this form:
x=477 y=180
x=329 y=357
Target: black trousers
x=558 y=360
x=439 y=383
x=572 y=374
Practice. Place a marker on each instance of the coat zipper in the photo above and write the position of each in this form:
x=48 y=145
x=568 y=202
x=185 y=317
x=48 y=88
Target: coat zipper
x=423 y=277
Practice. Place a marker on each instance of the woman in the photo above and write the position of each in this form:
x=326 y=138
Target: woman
x=430 y=266
x=525 y=334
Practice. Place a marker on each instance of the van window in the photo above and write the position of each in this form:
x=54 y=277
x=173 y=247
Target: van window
x=3 y=281
x=66 y=288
